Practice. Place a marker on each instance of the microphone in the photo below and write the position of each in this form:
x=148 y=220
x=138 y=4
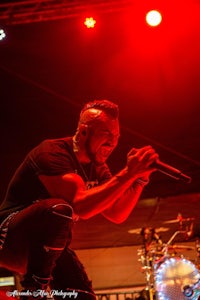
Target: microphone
x=170 y=171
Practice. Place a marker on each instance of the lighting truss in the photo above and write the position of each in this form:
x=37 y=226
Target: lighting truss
x=29 y=11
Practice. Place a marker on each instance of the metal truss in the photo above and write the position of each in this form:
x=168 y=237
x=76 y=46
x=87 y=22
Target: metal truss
x=30 y=11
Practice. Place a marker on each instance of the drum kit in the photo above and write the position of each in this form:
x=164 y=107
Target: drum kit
x=169 y=274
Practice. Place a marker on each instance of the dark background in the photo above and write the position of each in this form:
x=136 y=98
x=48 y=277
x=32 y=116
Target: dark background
x=48 y=70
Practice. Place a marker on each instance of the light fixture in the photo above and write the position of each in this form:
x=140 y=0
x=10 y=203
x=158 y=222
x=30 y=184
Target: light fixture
x=153 y=18
x=2 y=34
x=90 y=22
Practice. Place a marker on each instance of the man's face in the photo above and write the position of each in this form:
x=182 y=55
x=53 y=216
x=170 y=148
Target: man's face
x=102 y=138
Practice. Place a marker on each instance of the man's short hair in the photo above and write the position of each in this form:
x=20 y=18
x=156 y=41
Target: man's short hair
x=107 y=106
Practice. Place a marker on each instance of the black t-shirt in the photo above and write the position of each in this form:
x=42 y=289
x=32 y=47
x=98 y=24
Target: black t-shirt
x=51 y=157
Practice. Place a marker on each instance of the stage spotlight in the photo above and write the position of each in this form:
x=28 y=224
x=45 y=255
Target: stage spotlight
x=153 y=18
x=90 y=22
x=2 y=34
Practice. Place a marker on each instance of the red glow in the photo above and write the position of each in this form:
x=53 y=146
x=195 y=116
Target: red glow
x=90 y=22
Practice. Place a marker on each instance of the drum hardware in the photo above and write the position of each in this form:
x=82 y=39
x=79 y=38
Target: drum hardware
x=166 y=247
x=146 y=262
x=197 y=246
x=180 y=247
x=152 y=245
x=179 y=219
x=170 y=277
x=192 y=291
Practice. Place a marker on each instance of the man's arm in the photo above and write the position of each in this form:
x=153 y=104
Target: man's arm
x=88 y=203
x=121 y=209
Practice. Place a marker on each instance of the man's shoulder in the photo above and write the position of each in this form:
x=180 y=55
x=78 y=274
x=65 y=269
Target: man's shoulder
x=56 y=143
x=50 y=150
x=52 y=146
x=52 y=155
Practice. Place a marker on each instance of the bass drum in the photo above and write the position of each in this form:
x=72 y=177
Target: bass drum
x=176 y=279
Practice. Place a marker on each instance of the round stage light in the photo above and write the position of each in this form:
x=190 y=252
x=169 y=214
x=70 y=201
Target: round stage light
x=153 y=18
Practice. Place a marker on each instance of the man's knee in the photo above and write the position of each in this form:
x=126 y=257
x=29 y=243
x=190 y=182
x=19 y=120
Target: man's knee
x=56 y=206
x=63 y=210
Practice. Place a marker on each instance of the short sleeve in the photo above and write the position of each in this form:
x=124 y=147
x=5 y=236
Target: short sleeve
x=51 y=158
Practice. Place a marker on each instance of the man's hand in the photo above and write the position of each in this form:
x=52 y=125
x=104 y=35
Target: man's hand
x=139 y=161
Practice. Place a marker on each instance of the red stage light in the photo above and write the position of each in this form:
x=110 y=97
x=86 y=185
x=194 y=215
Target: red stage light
x=153 y=18
x=90 y=22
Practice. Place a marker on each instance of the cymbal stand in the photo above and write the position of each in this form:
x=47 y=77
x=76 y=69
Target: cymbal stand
x=165 y=248
x=147 y=256
x=197 y=244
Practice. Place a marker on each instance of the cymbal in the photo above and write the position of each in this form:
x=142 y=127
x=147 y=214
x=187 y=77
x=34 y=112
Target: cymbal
x=171 y=221
x=178 y=220
x=138 y=230
x=180 y=247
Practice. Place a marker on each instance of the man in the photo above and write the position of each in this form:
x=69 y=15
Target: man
x=60 y=181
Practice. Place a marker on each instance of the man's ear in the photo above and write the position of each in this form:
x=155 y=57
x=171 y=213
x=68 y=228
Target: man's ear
x=83 y=130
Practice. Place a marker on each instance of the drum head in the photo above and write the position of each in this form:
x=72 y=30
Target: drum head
x=176 y=279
